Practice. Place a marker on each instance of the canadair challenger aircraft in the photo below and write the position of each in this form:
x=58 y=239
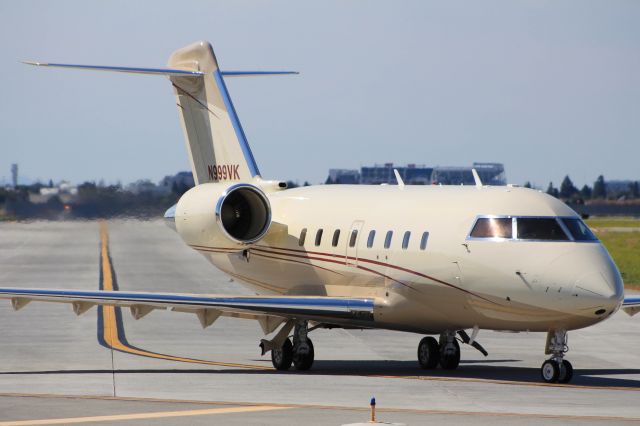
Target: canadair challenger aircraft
x=433 y=260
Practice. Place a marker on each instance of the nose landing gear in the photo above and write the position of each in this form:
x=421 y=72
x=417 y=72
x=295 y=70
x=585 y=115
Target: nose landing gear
x=557 y=369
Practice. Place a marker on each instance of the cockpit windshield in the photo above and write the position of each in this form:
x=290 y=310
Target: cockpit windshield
x=578 y=229
x=493 y=227
x=527 y=228
x=540 y=229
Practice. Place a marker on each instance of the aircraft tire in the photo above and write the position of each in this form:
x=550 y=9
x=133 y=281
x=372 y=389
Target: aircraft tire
x=428 y=353
x=450 y=361
x=304 y=362
x=566 y=373
x=283 y=357
x=550 y=371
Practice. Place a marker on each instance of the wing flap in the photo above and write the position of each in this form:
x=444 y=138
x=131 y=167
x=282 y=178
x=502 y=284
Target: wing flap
x=338 y=310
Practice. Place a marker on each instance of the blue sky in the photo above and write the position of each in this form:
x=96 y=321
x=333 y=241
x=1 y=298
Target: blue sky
x=547 y=87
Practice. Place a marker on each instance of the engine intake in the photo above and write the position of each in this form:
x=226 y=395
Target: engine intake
x=243 y=213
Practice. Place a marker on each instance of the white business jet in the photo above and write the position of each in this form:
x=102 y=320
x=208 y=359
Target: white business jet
x=433 y=260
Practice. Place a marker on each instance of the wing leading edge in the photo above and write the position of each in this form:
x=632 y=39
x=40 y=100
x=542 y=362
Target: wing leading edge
x=631 y=304
x=334 y=310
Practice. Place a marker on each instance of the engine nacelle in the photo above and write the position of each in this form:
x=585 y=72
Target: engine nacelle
x=217 y=215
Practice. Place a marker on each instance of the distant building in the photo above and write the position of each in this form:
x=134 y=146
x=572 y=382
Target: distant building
x=143 y=186
x=617 y=188
x=490 y=174
x=344 y=176
x=412 y=174
x=180 y=182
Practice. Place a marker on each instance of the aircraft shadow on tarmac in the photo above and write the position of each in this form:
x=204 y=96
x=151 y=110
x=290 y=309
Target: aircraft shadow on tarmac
x=592 y=378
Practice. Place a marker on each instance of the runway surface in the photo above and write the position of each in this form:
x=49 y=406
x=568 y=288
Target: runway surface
x=164 y=369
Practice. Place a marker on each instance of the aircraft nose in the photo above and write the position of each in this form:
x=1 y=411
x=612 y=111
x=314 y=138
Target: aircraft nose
x=600 y=284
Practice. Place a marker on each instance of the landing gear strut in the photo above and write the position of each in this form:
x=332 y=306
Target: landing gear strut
x=446 y=352
x=449 y=351
x=556 y=369
x=302 y=347
x=300 y=353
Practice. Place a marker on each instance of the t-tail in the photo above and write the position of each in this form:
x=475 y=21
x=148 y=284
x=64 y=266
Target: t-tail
x=216 y=144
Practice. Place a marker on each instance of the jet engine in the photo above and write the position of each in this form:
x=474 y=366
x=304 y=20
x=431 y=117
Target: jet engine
x=222 y=216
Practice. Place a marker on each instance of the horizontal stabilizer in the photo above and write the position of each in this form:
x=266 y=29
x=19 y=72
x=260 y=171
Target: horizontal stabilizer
x=255 y=73
x=133 y=70
x=159 y=71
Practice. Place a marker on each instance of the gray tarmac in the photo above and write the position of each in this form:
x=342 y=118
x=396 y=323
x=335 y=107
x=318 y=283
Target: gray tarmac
x=52 y=366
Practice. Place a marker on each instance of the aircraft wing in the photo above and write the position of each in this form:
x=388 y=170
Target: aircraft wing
x=631 y=304
x=332 y=310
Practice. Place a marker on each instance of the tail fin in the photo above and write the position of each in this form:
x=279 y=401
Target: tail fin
x=216 y=144
x=217 y=147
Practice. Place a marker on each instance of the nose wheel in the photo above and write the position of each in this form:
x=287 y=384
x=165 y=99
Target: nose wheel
x=557 y=369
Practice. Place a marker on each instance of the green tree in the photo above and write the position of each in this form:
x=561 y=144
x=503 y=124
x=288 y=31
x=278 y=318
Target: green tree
x=634 y=190
x=585 y=192
x=599 y=188
x=567 y=189
x=552 y=191
x=527 y=184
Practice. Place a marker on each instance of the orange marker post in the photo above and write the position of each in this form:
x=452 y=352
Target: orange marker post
x=373 y=410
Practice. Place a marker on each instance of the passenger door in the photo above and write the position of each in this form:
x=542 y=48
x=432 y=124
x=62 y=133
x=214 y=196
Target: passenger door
x=352 y=240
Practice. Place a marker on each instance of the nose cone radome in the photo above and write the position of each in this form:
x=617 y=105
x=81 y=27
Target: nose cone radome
x=599 y=285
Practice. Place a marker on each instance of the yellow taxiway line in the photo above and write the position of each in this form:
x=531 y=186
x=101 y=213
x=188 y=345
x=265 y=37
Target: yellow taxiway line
x=110 y=330
x=143 y=416
x=255 y=407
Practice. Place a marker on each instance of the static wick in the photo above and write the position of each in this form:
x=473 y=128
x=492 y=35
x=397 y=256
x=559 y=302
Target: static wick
x=373 y=410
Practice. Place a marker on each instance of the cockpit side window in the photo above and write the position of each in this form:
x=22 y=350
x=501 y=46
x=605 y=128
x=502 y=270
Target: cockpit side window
x=492 y=227
x=540 y=229
x=578 y=229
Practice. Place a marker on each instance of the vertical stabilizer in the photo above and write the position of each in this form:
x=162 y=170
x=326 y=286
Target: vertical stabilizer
x=216 y=144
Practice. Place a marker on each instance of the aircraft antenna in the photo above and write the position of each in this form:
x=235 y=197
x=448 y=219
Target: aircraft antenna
x=399 y=179
x=476 y=178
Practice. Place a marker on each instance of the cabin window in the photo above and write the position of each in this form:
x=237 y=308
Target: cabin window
x=318 y=237
x=336 y=238
x=303 y=235
x=353 y=238
x=547 y=229
x=372 y=236
x=423 y=240
x=579 y=231
x=387 y=239
x=493 y=227
x=405 y=240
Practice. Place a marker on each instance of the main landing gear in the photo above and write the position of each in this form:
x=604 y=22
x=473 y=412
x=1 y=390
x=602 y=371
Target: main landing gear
x=300 y=353
x=556 y=369
x=445 y=352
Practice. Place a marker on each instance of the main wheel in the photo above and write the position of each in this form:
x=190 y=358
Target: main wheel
x=428 y=353
x=450 y=361
x=550 y=371
x=282 y=358
x=566 y=372
x=304 y=361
